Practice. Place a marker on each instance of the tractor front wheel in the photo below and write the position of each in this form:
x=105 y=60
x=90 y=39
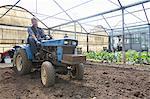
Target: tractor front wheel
x=78 y=72
x=47 y=74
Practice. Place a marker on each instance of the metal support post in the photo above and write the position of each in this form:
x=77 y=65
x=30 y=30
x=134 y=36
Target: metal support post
x=148 y=43
x=75 y=30
x=87 y=42
x=49 y=32
x=112 y=40
x=123 y=38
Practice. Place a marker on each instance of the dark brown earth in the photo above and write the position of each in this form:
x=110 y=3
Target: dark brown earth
x=100 y=82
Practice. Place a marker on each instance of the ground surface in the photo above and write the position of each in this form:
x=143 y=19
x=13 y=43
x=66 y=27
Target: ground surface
x=100 y=82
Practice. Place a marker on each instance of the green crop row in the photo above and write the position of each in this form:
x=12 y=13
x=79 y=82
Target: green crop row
x=132 y=57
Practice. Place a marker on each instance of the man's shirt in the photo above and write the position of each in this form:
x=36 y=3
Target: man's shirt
x=38 y=32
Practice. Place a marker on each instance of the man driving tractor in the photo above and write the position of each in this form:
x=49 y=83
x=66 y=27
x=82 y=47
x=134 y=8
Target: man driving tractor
x=51 y=56
x=36 y=34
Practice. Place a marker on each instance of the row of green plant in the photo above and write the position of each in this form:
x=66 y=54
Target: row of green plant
x=132 y=57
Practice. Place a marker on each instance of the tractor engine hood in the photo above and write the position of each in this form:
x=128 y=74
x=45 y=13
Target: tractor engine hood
x=60 y=42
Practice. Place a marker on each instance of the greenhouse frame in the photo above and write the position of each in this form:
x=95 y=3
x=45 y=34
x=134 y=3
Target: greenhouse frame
x=97 y=26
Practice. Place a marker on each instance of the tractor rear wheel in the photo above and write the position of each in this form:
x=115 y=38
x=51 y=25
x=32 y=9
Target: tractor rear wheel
x=78 y=72
x=21 y=63
x=47 y=74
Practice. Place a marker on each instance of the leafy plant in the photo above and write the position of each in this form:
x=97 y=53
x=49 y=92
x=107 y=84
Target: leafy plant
x=132 y=56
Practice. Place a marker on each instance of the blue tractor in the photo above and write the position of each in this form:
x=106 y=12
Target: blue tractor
x=54 y=56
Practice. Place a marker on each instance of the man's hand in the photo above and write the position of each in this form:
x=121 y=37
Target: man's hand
x=38 y=42
x=47 y=37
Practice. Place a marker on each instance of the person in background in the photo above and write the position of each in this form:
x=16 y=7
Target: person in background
x=36 y=34
x=119 y=45
x=66 y=36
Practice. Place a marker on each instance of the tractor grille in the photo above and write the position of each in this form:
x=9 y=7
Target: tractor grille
x=68 y=50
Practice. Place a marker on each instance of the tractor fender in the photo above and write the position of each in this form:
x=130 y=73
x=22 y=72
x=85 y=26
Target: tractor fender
x=27 y=50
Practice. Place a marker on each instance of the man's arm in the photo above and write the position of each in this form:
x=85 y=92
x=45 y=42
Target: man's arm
x=41 y=31
x=44 y=35
x=31 y=33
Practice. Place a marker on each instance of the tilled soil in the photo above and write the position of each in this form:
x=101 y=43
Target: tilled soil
x=100 y=82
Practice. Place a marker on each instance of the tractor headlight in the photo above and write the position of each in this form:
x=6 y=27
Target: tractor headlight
x=66 y=42
x=74 y=43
